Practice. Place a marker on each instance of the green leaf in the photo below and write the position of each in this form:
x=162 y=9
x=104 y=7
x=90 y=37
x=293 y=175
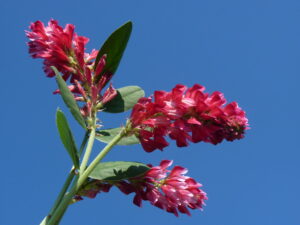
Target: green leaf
x=67 y=137
x=107 y=135
x=114 y=48
x=119 y=170
x=126 y=98
x=68 y=98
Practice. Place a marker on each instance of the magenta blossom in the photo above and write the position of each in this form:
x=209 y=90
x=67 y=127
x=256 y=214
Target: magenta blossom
x=64 y=49
x=59 y=47
x=171 y=191
x=186 y=114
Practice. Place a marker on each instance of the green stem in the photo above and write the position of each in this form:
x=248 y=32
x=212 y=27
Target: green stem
x=70 y=176
x=85 y=139
x=59 y=212
x=63 y=190
x=66 y=184
x=100 y=156
x=88 y=151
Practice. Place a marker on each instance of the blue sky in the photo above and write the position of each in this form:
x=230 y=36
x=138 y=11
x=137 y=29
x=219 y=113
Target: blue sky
x=249 y=50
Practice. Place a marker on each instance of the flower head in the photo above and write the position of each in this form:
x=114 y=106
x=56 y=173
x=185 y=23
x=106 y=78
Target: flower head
x=64 y=49
x=169 y=190
x=186 y=115
x=59 y=47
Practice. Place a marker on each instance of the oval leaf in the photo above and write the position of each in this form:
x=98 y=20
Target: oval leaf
x=114 y=48
x=119 y=170
x=107 y=135
x=68 y=98
x=125 y=99
x=67 y=137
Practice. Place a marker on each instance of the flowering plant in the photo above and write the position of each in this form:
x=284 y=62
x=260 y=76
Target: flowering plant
x=183 y=114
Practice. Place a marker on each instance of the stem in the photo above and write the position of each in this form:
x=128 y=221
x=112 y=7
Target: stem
x=85 y=139
x=100 y=156
x=66 y=184
x=63 y=190
x=59 y=212
x=88 y=151
x=70 y=176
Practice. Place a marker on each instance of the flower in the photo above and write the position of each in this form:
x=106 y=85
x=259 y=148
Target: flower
x=186 y=115
x=64 y=49
x=59 y=47
x=171 y=191
x=145 y=115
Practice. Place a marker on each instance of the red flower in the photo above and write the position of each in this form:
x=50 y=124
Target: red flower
x=150 y=124
x=64 y=49
x=59 y=47
x=186 y=114
x=168 y=190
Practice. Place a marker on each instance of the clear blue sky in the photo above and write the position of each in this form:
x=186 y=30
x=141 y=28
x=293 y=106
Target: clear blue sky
x=250 y=50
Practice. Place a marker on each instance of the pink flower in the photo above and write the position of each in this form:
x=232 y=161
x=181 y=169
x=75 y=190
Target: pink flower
x=64 y=49
x=59 y=47
x=171 y=191
x=150 y=125
x=186 y=115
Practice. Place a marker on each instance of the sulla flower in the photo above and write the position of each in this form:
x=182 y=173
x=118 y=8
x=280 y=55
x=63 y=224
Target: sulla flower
x=64 y=49
x=171 y=191
x=186 y=115
x=59 y=47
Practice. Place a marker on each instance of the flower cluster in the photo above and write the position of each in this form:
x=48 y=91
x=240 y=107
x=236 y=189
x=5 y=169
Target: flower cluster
x=59 y=47
x=186 y=114
x=165 y=189
x=64 y=49
x=171 y=191
x=183 y=114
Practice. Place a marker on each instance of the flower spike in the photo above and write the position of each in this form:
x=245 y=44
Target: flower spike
x=186 y=115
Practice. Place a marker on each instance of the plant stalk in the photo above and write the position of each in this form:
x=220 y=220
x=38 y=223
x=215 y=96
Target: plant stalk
x=67 y=183
x=88 y=151
x=61 y=209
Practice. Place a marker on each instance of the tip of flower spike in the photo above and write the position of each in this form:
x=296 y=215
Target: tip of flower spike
x=57 y=46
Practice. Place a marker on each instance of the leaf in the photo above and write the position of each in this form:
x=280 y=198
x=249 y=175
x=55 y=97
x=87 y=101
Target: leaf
x=126 y=98
x=66 y=136
x=119 y=170
x=107 y=135
x=68 y=98
x=114 y=48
